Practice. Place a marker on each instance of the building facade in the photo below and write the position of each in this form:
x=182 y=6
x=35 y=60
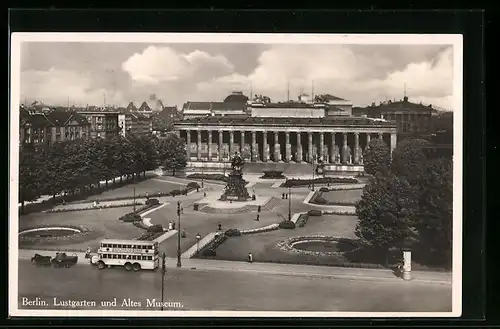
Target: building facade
x=288 y=132
x=410 y=118
x=50 y=126
x=103 y=124
x=135 y=124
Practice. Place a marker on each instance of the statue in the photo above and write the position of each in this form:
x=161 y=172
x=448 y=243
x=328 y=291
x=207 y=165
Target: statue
x=235 y=189
x=237 y=162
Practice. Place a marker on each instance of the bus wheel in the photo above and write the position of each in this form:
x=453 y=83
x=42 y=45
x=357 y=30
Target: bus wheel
x=101 y=265
x=137 y=267
x=128 y=266
x=56 y=265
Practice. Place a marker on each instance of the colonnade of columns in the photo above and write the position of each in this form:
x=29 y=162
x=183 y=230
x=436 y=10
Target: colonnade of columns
x=281 y=146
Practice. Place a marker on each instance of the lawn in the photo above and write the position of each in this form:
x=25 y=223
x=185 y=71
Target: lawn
x=263 y=245
x=343 y=196
x=103 y=222
x=150 y=186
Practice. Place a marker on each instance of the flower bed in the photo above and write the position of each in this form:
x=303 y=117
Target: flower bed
x=268 y=228
x=149 y=236
x=318 y=181
x=81 y=233
x=338 y=212
x=273 y=174
x=91 y=207
x=232 y=232
x=216 y=177
x=288 y=245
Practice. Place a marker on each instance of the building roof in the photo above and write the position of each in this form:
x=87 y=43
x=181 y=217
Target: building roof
x=290 y=121
x=402 y=105
x=145 y=107
x=236 y=97
x=56 y=118
x=329 y=97
x=131 y=107
x=217 y=106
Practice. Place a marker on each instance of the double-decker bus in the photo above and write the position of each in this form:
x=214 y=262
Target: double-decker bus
x=131 y=254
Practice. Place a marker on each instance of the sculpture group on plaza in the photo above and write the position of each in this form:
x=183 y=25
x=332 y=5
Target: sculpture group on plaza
x=235 y=189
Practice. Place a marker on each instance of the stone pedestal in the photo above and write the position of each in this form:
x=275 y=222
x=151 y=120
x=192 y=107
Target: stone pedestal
x=235 y=189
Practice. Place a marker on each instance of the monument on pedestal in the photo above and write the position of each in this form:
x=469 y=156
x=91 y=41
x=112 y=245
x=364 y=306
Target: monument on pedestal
x=235 y=189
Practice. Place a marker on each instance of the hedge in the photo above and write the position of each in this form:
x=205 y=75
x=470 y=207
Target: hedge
x=303 y=218
x=152 y=202
x=287 y=224
x=314 y=212
x=232 y=232
x=325 y=180
x=155 y=228
x=130 y=217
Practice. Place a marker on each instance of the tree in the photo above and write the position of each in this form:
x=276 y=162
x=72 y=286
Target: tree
x=385 y=214
x=377 y=158
x=172 y=153
x=435 y=215
x=29 y=176
x=408 y=159
x=53 y=177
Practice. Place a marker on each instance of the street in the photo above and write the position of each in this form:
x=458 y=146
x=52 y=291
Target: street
x=195 y=289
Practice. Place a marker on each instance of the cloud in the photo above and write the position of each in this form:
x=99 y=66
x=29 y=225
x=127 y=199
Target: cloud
x=363 y=74
x=56 y=87
x=164 y=64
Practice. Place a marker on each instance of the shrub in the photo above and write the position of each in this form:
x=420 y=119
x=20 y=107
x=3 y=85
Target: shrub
x=314 y=212
x=196 y=207
x=287 y=224
x=323 y=189
x=193 y=185
x=152 y=202
x=320 y=200
x=233 y=232
x=302 y=220
x=155 y=228
x=130 y=217
x=208 y=253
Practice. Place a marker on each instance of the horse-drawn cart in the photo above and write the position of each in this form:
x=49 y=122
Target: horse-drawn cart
x=40 y=260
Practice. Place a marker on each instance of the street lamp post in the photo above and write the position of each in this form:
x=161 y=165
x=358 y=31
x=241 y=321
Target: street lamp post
x=289 y=203
x=312 y=160
x=198 y=237
x=178 y=234
x=163 y=271
x=134 y=197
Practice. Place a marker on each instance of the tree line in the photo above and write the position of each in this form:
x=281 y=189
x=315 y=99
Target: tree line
x=408 y=201
x=76 y=166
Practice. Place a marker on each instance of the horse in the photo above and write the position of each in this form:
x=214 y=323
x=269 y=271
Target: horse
x=38 y=259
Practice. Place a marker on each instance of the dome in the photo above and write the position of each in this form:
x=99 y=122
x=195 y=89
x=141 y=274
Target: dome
x=236 y=97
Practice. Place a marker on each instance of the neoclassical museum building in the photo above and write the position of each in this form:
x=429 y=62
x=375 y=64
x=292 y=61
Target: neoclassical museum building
x=303 y=131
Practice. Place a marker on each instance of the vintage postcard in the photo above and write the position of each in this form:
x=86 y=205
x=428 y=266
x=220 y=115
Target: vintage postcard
x=235 y=175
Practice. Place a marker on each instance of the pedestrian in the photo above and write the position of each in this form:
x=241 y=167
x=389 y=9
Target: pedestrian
x=64 y=202
x=183 y=234
x=258 y=217
x=182 y=210
x=205 y=194
x=258 y=208
x=95 y=204
x=147 y=196
x=87 y=254
x=170 y=226
x=250 y=257
x=219 y=226
x=173 y=225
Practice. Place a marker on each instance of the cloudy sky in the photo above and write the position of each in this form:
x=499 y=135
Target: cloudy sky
x=87 y=73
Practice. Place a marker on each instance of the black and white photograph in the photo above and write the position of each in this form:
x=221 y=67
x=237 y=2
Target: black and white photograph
x=232 y=175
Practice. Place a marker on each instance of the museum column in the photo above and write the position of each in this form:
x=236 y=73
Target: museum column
x=242 y=143
x=393 y=142
x=198 y=149
x=322 y=146
x=356 y=148
x=265 y=151
x=231 y=143
x=209 y=145
x=288 y=147
x=380 y=136
x=344 y=148
x=221 y=145
x=277 y=150
x=255 y=156
x=188 y=144
x=332 y=149
x=299 y=156
x=310 y=145
x=368 y=137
